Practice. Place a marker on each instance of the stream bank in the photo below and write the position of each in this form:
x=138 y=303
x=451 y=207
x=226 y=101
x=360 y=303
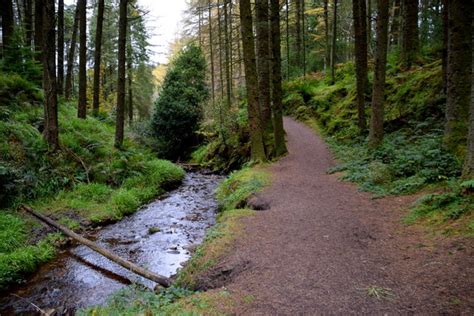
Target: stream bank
x=158 y=237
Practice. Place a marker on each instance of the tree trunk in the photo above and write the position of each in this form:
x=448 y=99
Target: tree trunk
x=468 y=172
x=97 y=57
x=333 y=45
x=360 y=31
x=130 y=76
x=70 y=57
x=376 y=121
x=298 y=45
x=279 y=133
x=251 y=82
x=122 y=42
x=263 y=63
x=326 y=35
x=303 y=35
x=395 y=27
x=38 y=30
x=82 y=101
x=28 y=8
x=211 y=51
x=410 y=40
x=228 y=60
x=459 y=74
x=6 y=13
x=369 y=27
x=287 y=39
x=51 y=134
x=445 y=46
x=221 y=49
x=60 y=47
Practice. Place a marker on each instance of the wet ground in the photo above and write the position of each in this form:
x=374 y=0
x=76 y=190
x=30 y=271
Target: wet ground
x=157 y=237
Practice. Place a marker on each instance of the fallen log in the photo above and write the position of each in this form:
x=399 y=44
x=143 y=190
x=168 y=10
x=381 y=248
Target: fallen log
x=161 y=280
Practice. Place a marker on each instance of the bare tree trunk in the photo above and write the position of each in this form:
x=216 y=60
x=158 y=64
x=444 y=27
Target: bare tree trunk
x=51 y=134
x=38 y=38
x=445 y=46
x=6 y=13
x=221 y=65
x=251 y=82
x=468 y=172
x=70 y=57
x=376 y=122
x=298 y=45
x=277 y=107
x=395 y=27
x=228 y=60
x=410 y=32
x=333 y=45
x=98 y=57
x=130 y=77
x=211 y=51
x=82 y=101
x=303 y=35
x=263 y=63
x=369 y=27
x=360 y=31
x=287 y=39
x=28 y=8
x=459 y=74
x=60 y=47
x=122 y=42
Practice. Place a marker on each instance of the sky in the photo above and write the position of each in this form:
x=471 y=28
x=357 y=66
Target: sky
x=163 y=24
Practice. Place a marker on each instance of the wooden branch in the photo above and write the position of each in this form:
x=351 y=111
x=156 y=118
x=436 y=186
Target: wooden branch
x=163 y=281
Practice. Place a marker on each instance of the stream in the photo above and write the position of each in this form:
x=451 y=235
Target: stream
x=157 y=237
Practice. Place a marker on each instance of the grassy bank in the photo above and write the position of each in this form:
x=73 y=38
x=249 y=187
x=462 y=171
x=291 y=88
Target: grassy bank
x=87 y=181
x=410 y=160
x=201 y=271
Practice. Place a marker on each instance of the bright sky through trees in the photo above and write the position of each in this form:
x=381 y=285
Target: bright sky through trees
x=163 y=22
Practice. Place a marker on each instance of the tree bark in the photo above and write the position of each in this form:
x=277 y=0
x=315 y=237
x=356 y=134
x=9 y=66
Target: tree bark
x=303 y=35
x=60 y=47
x=288 y=63
x=163 y=281
x=70 y=57
x=297 y=4
x=327 y=59
x=360 y=31
x=410 y=40
x=468 y=172
x=395 y=27
x=277 y=107
x=263 y=63
x=459 y=74
x=50 y=133
x=211 y=51
x=376 y=121
x=98 y=57
x=333 y=45
x=38 y=38
x=228 y=60
x=28 y=8
x=445 y=46
x=221 y=49
x=129 y=76
x=122 y=41
x=251 y=82
x=82 y=100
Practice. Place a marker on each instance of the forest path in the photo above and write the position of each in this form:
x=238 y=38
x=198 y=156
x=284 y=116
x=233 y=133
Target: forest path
x=322 y=246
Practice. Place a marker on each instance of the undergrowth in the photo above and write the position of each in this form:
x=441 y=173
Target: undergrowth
x=412 y=156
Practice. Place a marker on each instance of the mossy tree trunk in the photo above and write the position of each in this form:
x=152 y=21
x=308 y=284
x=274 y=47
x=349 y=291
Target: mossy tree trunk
x=122 y=42
x=277 y=107
x=251 y=81
x=82 y=100
x=360 y=31
x=458 y=74
x=376 y=120
x=51 y=134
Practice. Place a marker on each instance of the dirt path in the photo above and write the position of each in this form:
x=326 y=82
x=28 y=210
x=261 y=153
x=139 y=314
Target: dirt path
x=323 y=244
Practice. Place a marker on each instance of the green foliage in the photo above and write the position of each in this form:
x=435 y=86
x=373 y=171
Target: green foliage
x=233 y=192
x=178 y=107
x=16 y=255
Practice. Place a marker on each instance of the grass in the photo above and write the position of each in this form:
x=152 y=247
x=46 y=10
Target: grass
x=412 y=157
x=379 y=293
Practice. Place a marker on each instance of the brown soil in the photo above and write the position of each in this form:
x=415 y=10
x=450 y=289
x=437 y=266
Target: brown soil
x=323 y=245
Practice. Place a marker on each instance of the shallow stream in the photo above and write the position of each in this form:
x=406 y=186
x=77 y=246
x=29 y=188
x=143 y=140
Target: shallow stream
x=158 y=237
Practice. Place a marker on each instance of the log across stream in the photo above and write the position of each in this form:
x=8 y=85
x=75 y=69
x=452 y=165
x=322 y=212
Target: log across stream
x=156 y=237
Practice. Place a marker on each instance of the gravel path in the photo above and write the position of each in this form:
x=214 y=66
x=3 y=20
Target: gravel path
x=323 y=246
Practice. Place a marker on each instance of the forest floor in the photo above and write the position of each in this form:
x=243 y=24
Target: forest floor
x=324 y=247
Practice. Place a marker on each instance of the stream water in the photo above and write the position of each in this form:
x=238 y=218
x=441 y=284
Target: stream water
x=156 y=237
